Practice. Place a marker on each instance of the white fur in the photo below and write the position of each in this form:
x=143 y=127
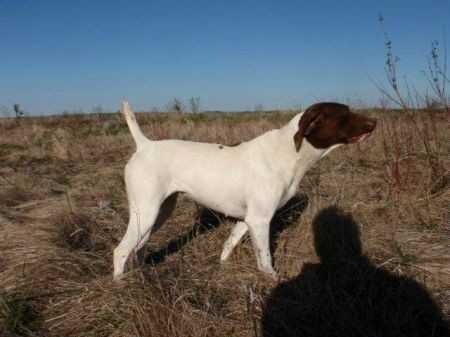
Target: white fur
x=249 y=182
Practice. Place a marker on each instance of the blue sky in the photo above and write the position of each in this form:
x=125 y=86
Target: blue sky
x=73 y=55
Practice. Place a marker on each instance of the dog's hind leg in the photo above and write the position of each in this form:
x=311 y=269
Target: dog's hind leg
x=164 y=213
x=138 y=231
x=145 y=197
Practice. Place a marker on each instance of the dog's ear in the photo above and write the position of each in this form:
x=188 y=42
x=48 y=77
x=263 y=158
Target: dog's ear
x=307 y=123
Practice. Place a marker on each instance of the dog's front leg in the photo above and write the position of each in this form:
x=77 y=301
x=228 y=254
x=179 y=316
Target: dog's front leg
x=259 y=228
x=239 y=230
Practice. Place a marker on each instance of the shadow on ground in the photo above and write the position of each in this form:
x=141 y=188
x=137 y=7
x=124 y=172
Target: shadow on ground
x=286 y=216
x=346 y=295
x=209 y=220
x=206 y=222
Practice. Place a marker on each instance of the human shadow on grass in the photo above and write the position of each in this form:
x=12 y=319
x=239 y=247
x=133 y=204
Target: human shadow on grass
x=346 y=295
x=209 y=220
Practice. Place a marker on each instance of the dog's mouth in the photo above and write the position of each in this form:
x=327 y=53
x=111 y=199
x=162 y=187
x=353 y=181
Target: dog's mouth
x=369 y=126
x=360 y=138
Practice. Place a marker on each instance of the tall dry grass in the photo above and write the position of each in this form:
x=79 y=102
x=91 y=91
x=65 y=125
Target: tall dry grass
x=64 y=209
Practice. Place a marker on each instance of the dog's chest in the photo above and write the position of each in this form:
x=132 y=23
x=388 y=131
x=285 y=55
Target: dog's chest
x=289 y=193
x=291 y=186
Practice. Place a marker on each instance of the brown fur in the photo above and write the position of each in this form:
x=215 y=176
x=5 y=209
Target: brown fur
x=327 y=124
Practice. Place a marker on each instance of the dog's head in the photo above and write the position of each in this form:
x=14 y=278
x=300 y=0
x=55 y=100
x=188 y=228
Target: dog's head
x=327 y=124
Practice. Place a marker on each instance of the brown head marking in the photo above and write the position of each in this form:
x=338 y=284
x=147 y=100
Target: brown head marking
x=327 y=124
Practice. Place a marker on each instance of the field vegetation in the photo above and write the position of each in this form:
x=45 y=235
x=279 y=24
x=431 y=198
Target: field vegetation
x=63 y=210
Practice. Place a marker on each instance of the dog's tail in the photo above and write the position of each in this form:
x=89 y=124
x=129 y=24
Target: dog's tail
x=135 y=130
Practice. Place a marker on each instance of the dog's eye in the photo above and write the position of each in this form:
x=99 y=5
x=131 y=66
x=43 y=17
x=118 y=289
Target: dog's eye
x=344 y=120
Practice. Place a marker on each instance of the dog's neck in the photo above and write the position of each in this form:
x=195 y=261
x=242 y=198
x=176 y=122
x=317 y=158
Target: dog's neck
x=296 y=164
x=308 y=155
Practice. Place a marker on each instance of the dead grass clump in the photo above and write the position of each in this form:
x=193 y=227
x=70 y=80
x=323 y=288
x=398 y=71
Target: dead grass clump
x=75 y=231
x=87 y=231
x=18 y=316
x=156 y=304
x=14 y=196
x=59 y=145
x=7 y=148
x=9 y=124
x=188 y=294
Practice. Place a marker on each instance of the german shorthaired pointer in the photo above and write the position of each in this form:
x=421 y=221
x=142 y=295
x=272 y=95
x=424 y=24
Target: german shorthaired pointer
x=249 y=181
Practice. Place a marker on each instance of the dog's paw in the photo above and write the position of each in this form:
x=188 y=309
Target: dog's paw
x=270 y=272
x=274 y=276
x=118 y=277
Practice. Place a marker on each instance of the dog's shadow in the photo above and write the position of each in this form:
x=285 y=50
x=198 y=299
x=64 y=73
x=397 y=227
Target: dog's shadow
x=346 y=295
x=209 y=220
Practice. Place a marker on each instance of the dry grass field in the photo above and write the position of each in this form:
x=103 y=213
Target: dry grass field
x=63 y=209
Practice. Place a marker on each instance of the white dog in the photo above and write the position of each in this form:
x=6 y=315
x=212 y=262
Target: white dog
x=249 y=181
